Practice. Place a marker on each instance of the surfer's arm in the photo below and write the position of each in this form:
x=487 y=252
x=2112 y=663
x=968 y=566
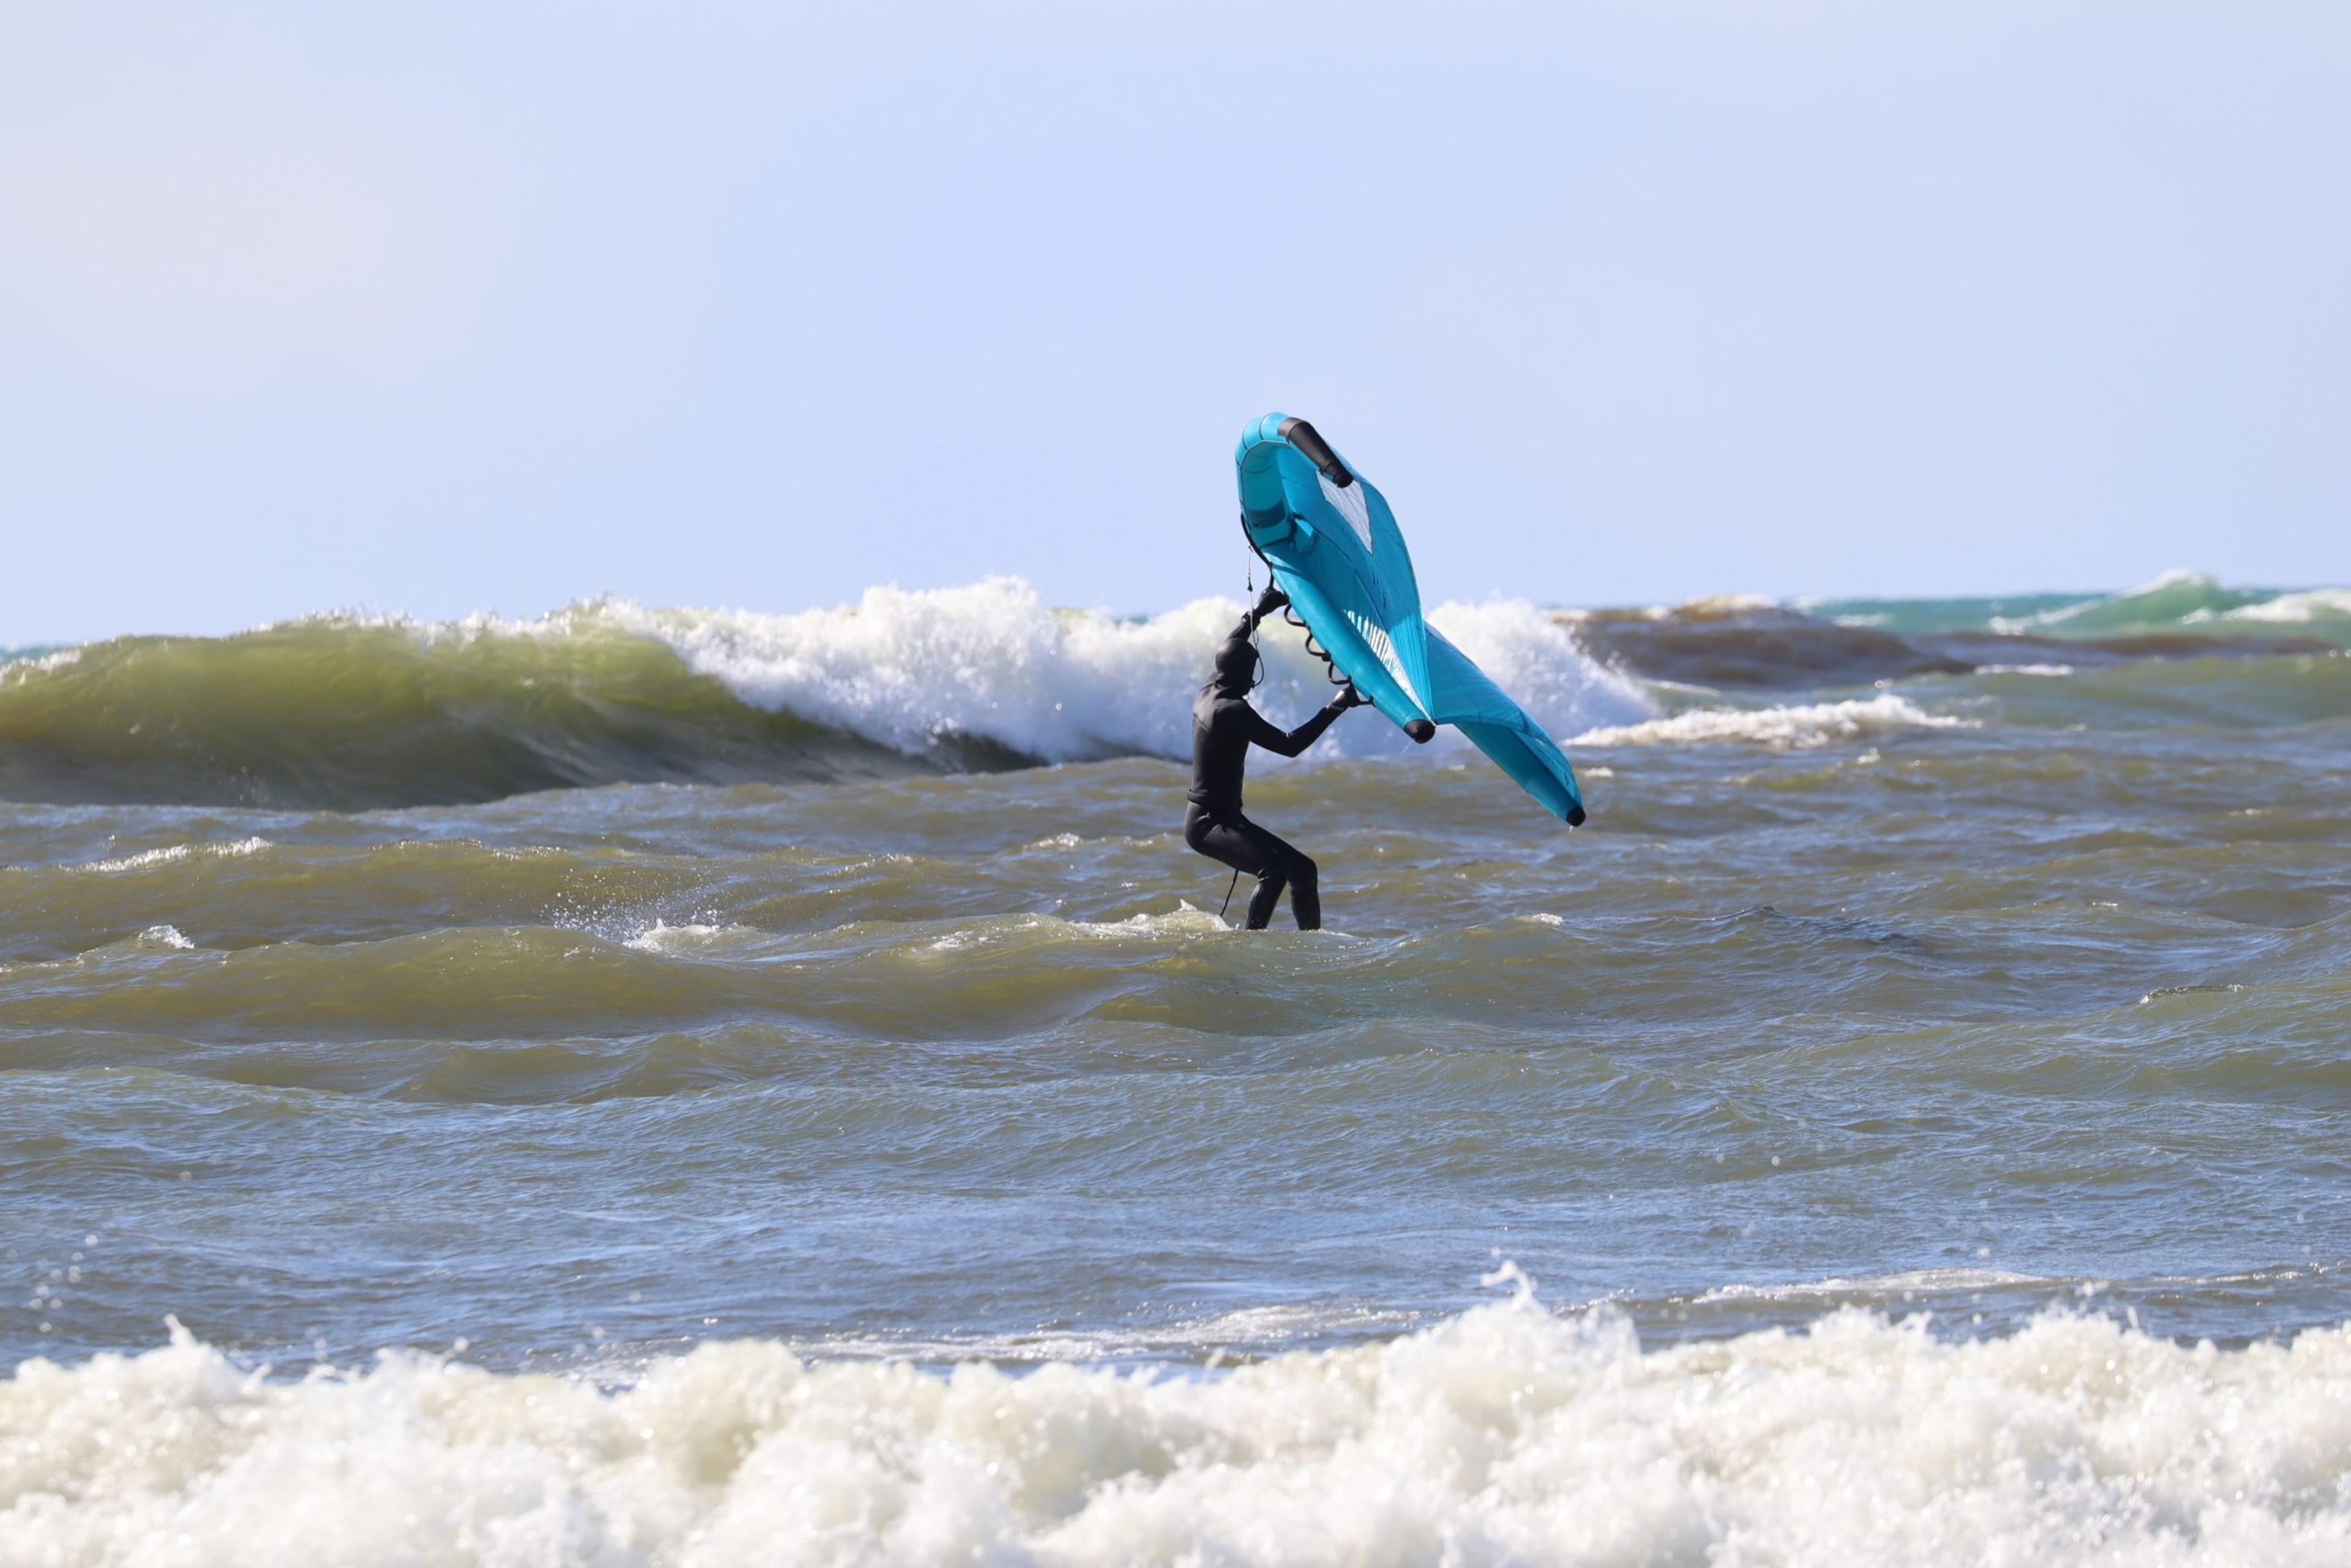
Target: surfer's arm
x=1268 y=602
x=1290 y=744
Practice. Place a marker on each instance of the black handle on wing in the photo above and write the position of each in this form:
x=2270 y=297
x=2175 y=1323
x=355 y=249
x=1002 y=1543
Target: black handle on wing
x=1309 y=440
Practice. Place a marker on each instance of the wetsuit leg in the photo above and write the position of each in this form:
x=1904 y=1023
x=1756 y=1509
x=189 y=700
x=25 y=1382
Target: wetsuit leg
x=1267 y=891
x=1305 y=891
x=1243 y=845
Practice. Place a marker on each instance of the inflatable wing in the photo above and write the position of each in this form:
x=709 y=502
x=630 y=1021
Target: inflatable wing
x=1333 y=546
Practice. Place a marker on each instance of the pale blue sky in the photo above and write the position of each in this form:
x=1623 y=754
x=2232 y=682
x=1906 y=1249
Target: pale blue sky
x=444 y=308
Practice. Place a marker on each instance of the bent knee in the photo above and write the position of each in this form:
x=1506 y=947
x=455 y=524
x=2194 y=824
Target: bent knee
x=1302 y=869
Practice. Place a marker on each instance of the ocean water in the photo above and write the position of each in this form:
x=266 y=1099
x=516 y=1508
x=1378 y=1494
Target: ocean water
x=654 y=1086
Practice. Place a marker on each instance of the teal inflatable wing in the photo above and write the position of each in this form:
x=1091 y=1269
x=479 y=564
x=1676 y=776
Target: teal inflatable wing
x=1333 y=546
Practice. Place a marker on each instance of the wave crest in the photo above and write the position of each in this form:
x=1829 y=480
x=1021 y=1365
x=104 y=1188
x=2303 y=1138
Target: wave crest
x=992 y=660
x=352 y=711
x=2314 y=606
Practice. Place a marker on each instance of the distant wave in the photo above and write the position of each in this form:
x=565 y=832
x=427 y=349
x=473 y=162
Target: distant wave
x=1505 y=1434
x=1809 y=724
x=2174 y=598
x=356 y=712
x=2311 y=607
x=1729 y=640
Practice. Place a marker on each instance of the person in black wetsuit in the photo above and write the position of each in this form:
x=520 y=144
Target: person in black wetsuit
x=1224 y=726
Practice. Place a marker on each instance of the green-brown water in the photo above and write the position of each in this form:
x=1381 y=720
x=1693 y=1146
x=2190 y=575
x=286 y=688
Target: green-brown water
x=1926 y=964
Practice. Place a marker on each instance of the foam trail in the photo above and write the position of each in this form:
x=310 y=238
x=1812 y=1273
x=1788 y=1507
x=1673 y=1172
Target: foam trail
x=1805 y=725
x=1507 y=1435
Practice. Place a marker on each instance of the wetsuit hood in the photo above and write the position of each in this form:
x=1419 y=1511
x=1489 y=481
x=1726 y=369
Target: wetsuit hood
x=1235 y=669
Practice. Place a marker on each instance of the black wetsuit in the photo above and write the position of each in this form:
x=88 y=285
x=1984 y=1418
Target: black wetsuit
x=1224 y=726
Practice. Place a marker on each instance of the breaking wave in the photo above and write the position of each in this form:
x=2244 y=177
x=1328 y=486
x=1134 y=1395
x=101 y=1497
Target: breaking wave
x=2316 y=606
x=355 y=712
x=352 y=712
x=1506 y=1435
x=992 y=661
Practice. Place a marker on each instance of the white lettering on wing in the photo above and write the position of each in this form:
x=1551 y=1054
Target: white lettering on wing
x=1375 y=637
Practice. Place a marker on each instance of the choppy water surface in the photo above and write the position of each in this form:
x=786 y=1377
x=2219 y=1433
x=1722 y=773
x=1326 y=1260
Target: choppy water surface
x=836 y=1134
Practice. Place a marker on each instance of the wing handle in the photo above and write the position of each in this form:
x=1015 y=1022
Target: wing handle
x=1317 y=450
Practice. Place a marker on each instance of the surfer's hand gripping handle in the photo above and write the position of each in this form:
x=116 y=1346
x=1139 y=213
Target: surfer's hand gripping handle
x=1271 y=600
x=1349 y=698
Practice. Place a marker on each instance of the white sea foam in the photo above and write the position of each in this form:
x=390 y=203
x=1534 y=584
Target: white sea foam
x=2051 y=671
x=1912 y=1281
x=992 y=661
x=2297 y=609
x=168 y=854
x=1504 y=1435
x=663 y=937
x=165 y=937
x=140 y=862
x=1185 y=919
x=21 y=666
x=1812 y=723
x=1253 y=1332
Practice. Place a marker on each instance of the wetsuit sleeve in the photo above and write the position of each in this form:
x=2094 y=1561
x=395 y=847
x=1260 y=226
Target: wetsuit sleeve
x=1261 y=731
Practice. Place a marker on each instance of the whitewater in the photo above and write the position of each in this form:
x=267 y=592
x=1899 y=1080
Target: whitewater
x=1506 y=1435
x=660 y=1085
